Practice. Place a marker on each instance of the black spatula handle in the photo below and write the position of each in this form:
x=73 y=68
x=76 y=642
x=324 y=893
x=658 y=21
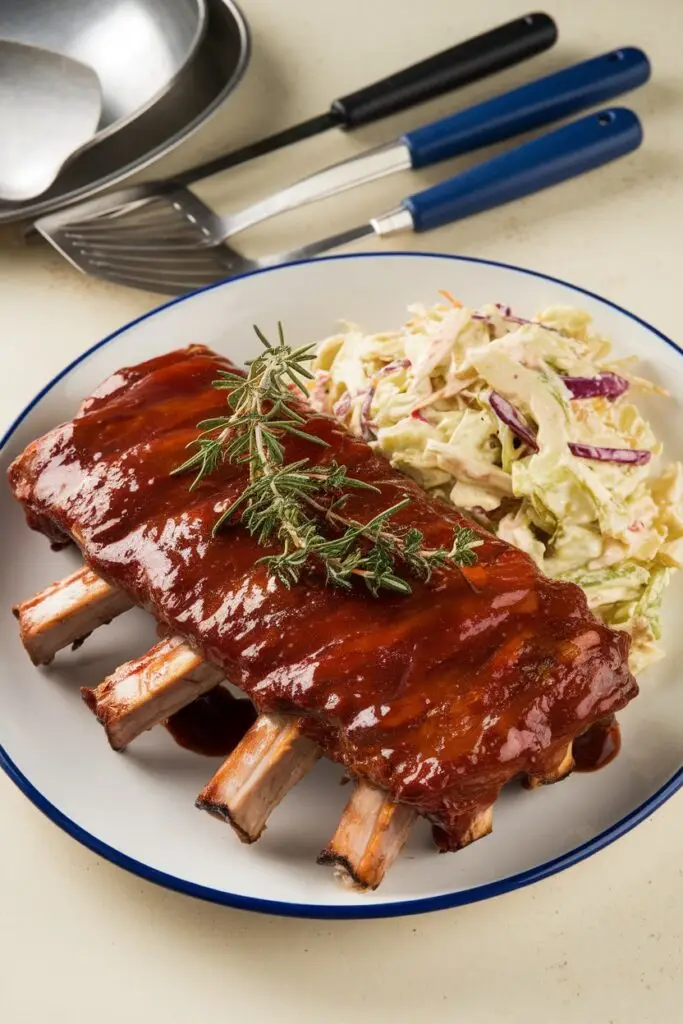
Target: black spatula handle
x=492 y=51
x=459 y=65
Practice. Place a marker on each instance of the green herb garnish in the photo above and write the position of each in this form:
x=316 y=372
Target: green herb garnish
x=289 y=502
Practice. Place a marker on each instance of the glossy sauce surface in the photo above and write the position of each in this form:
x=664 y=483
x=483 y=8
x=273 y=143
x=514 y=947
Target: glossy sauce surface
x=440 y=697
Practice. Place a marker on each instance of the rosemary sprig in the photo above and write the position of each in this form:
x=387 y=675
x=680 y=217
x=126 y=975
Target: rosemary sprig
x=288 y=502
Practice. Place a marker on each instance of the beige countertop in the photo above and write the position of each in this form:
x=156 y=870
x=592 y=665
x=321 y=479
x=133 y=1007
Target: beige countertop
x=81 y=940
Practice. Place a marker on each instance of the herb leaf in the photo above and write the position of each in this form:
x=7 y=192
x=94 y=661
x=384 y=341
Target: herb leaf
x=289 y=503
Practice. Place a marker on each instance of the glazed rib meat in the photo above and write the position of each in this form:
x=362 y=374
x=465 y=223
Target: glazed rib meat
x=438 y=697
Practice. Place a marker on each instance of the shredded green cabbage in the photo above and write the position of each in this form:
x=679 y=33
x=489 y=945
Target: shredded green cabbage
x=421 y=395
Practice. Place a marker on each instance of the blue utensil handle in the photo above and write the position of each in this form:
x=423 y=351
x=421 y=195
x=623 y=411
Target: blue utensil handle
x=548 y=160
x=531 y=106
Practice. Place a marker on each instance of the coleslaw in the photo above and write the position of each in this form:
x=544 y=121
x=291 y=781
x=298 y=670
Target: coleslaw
x=530 y=427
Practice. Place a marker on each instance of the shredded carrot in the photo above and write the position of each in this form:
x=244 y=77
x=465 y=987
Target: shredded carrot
x=456 y=303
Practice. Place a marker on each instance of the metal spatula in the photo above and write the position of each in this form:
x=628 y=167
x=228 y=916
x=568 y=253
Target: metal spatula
x=548 y=160
x=180 y=220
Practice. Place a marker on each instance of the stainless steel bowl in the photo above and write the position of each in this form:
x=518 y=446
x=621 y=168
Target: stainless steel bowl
x=137 y=48
x=200 y=89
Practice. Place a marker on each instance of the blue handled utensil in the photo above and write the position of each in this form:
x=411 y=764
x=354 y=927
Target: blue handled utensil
x=554 y=157
x=531 y=106
x=178 y=218
x=565 y=153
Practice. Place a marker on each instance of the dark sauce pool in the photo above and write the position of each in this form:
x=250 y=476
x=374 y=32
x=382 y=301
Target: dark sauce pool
x=596 y=747
x=213 y=724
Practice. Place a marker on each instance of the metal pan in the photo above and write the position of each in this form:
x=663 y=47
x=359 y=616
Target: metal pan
x=135 y=47
x=197 y=92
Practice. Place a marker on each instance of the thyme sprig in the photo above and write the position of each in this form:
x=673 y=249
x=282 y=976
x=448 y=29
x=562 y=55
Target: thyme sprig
x=288 y=502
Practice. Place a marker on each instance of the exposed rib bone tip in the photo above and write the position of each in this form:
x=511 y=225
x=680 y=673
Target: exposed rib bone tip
x=147 y=690
x=370 y=835
x=343 y=871
x=66 y=612
x=481 y=825
x=560 y=769
x=222 y=813
x=267 y=762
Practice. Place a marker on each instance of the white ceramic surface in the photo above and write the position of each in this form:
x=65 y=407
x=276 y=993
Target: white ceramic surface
x=138 y=809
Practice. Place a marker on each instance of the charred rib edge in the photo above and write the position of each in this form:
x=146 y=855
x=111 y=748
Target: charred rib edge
x=271 y=758
x=369 y=837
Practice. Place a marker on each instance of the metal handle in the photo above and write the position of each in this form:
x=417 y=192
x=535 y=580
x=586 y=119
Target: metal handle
x=548 y=160
x=467 y=62
x=330 y=181
x=531 y=106
x=541 y=102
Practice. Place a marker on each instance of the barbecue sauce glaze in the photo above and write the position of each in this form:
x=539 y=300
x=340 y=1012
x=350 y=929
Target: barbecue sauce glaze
x=439 y=697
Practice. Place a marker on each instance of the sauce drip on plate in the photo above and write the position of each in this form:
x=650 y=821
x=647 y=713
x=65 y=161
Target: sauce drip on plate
x=597 y=746
x=213 y=724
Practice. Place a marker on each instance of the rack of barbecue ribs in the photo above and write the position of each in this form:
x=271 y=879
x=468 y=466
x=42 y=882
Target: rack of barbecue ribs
x=431 y=701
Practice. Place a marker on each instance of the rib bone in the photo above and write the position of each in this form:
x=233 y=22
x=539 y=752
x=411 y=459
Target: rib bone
x=147 y=690
x=472 y=826
x=560 y=768
x=66 y=612
x=369 y=837
x=271 y=758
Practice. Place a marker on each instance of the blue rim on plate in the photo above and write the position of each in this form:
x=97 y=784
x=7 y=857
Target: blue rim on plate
x=333 y=911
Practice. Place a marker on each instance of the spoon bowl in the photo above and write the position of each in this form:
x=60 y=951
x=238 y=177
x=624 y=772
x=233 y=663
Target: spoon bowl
x=50 y=106
x=137 y=48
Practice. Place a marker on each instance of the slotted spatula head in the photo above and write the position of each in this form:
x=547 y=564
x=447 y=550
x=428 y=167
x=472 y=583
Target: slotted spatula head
x=161 y=241
x=162 y=247
x=172 y=216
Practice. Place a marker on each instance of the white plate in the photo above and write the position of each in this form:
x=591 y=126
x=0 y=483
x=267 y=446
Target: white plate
x=137 y=809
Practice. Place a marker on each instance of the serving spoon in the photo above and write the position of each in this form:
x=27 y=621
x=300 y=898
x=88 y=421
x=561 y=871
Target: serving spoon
x=50 y=106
